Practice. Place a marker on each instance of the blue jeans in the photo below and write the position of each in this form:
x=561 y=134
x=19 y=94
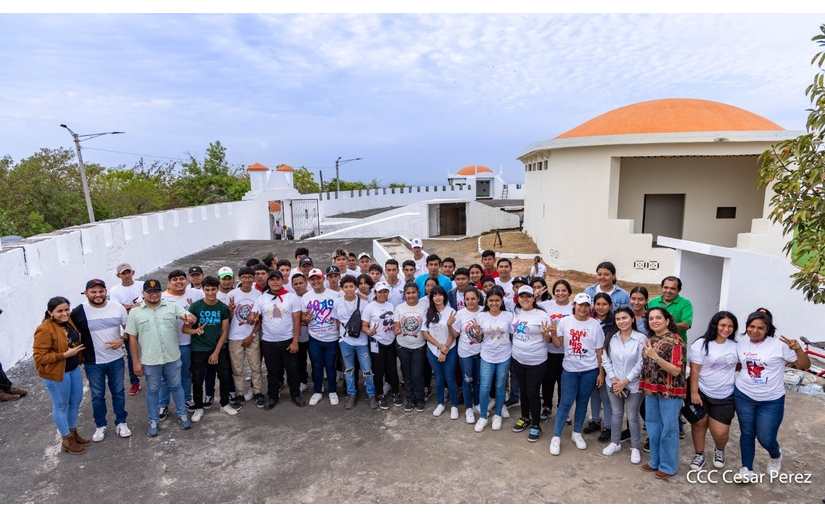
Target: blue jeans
x=66 y=397
x=488 y=373
x=156 y=375
x=599 y=399
x=185 y=378
x=322 y=356
x=349 y=354
x=445 y=371
x=662 y=422
x=99 y=375
x=471 y=375
x=575 y=387
x=758 y=420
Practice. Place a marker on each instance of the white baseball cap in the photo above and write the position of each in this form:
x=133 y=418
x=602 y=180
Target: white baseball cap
x=582 y=299
x=225 y=271
x=415 y=242
x=382 y=285
x=363 y=255
x=315 y=272
x=525 y=289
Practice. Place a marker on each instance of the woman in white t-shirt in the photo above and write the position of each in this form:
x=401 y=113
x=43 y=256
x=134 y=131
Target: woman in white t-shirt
x=557 y=307
x=409 y=320
x=759 y=389
x=495 y=326
x=466 y=329
x=583 y=339
x=441 y=352
x=713 y=362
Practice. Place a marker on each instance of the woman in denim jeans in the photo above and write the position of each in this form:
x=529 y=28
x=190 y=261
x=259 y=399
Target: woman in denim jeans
x=496 y=350
x=468 y=332
x=759 y=390
x=664 y=385
x=441 y=353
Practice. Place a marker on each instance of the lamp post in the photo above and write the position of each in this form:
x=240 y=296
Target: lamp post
x=82 y=167
x=338 y=177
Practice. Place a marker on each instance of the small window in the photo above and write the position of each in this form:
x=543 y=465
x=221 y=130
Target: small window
x=726 y=212
x=545 y=164
x=539 y=165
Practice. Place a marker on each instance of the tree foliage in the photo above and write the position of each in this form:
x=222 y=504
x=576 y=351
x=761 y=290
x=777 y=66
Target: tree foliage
x=304 y=181
x=795 y=170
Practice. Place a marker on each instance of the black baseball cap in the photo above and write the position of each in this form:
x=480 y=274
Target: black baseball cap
x=195 y=270
x=521 y=279
x=306 y=261
x=152 y=285
x=95 y=283
x=333 y=269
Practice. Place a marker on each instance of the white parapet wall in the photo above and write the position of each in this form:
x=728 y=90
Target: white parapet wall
x=60 y=263
x=333 y=203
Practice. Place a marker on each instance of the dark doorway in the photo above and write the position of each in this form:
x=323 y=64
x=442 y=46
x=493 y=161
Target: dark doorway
x=452 y=219
x=483 y=189
x=664 y=215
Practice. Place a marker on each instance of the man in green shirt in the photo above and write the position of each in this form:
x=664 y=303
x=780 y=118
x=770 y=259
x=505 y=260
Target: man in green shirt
x=153 y=340
x=209 y=334
x=679 y=307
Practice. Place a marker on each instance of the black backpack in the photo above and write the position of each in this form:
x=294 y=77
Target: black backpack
x=353 y=325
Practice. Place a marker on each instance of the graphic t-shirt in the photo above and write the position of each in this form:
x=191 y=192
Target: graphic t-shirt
x=342 y=311
x=380 y=317
x=496 y=346
x=762 y=376
x=322 y=325
x=556 y=312
x=718 y=370
x=104 y=325
x=581 y=340
x=396 y=293
x=211 y=317
x=439 y=329
x=470 y=335
x=131 y=295
x=529 y=346
x=244 y=302
x=189 y=296
x=276 y=315
x=411 y=321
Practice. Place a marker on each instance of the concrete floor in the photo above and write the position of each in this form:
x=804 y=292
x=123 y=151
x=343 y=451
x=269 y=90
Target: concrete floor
x=327 y=454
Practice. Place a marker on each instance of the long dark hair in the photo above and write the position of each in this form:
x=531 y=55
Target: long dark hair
x=713 y=328
x=495 y=291
x=671 y=322
x=762 y=315
x=54 y=303
x=432 y=312
x=639 y=290
x=622 y=310
x=536 y=279
x=609 y=315
x=477 y=292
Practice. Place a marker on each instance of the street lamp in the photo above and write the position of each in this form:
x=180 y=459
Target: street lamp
x=82 y=138
x=337 y=177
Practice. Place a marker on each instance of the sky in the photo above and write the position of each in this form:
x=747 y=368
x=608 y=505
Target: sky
x=416 y=96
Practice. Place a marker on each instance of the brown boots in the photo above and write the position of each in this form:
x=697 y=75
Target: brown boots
x=7 y=396
x=77 y=438
x=74 y=443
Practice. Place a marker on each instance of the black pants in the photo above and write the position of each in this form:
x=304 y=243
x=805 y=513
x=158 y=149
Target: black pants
x=278 y=358
x=5 y=383
x=412 y=366
x=529 y=380
x=199 y=369
x=552 y=378
x=385 y=366
x=303 y=371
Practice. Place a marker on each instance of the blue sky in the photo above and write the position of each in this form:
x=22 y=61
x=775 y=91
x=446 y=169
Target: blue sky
x=417 y=96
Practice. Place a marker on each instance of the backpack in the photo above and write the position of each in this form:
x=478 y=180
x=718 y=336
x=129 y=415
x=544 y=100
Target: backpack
x=353 y=326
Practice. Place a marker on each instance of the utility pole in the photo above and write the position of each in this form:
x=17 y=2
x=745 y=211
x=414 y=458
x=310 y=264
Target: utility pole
x=82 y=167
x=337 y=176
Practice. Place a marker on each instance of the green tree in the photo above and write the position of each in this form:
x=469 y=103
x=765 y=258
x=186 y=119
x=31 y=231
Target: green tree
x=304 y=181
x=795 y=170
x=213 y=180
x=122 y=191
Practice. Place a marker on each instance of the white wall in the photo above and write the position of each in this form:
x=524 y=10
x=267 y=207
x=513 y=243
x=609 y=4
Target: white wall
x=333 y=203
x=701 y=277
x=481 y=218
x=60 y=263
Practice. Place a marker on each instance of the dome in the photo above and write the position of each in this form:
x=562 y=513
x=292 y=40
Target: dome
x=471 y=170
x=671 y=116
x=257 y=167
x=284 y=168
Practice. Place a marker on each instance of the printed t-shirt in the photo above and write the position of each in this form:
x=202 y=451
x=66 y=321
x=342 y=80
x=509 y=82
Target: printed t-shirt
x=244 y=302
x=321 y=325
x=581 y=340
x=718 y=370
x=496 y=346
x=762 y=376
x=529 y=346
x=411 y=321
x=276 y=315
x=211 y=317
x=470 y=335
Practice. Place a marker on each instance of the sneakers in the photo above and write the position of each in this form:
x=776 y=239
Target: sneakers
x=625 y=435
x=439 y=409
x=260 y=401
x=545 y=413
x=396 y=400
x=190 y=406
x=408 y=406
x=349 y=402
x=99 y=435
x=555 y=445
x=373 y=403
x=134 y=389
x=592 y=427
x=578 y=440
x=185 y=423
x=520 y=425
x=534 y=433
x=453 y=412
x=745 y=476
x=333 y=399
x=152 y=429
x=505 y=413
x=635 y=456
x=163 y=413
x=480 y=424
x=611 y=448
x=315 y=399
x=469 y=416
x=698 y=462
x=207 y=401
x=419 y=406
x=646 y=445
x=122 y=430
x=775 y=465
x=496 y=423
x=197 y=415
x=604 y=436
x=382 y=403
x=718 y=458
x=230 y=410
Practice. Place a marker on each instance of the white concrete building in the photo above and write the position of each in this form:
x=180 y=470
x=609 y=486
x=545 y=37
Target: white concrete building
x=486 y=183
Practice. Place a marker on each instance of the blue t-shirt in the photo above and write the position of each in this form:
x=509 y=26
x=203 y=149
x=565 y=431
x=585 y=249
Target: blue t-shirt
x=619 y=296
x=443 y=281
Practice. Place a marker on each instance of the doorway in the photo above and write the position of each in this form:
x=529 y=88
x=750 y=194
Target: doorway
x=483 y=189
x=452 y=219
x=663 y=215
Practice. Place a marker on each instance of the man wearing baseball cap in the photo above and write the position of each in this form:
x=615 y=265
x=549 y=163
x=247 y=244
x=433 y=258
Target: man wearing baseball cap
x=318 y=304
x=419 y=256
x=129 y=293
x=195 y=277
x=227 y=283
x=333 y=279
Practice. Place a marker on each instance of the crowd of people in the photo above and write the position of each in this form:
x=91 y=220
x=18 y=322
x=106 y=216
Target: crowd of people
x=491 y=341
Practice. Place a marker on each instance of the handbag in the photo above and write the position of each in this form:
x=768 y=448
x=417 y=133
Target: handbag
x=353 y=326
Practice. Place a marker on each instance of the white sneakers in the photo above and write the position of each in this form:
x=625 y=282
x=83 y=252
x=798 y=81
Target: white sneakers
x=635 y=456
x=578 y=440
x=453 y=412
x=775 y=465
x=469 y=416
x=504 y=412
x=555 y=445
x=480 y=424
x=315 y=398
x=248 y=396
x=333 y=398
x=496 y=422
x=745 y=476
x=611 y=448
x=229 y=410
x=197 y=415
x=439 y=409
x=99 y=435
x=122 y=430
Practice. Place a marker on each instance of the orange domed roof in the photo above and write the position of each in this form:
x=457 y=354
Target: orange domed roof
x=257 y=167
x=471 y=170
x=284 y=168
x=672 y=116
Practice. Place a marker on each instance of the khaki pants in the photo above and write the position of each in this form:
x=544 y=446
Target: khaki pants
x=250 y=356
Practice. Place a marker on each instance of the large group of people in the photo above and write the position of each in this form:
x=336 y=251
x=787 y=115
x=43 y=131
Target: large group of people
x=473 y=337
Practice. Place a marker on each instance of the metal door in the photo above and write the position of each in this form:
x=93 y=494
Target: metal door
x=304 y=217
x=483 y=189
